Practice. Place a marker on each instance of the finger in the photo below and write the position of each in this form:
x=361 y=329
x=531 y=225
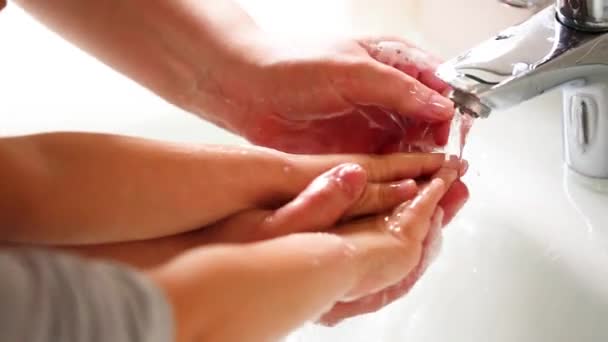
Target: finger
x=371 y=44
x=321 y=204
x=392 y=245
x=412 y=222
x=441 y=133
x=430 y=79
x=375 y=302
x=454 y=200
x=450 y=171
x=399 y=92
x=284 y=282
x=379 y=198
x=408 y=58
x=381 y=169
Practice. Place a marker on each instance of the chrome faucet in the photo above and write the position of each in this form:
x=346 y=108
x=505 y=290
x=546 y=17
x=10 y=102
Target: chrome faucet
x=565 y=45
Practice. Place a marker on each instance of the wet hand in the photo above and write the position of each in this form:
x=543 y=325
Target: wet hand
x=290 y=280
x=337 y=96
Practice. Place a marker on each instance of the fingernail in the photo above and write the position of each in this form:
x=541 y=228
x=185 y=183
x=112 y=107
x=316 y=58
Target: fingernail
x=406 y=188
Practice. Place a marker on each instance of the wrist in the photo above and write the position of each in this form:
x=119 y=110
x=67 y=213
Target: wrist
x=225 y=89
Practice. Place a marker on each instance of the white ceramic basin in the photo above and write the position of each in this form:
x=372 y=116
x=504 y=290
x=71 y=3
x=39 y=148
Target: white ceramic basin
x=525 y=261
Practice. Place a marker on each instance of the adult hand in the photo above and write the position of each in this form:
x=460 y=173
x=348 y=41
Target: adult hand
x=317 y=96
x=335 y=96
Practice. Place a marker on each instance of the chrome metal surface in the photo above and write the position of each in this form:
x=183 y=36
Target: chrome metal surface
x=527 y=60
x=588 y=15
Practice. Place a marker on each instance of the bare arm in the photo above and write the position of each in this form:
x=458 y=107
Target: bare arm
x=178 y=49
x=295 y=95
x=91 y=188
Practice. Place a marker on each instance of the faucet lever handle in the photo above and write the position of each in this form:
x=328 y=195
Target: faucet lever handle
x=585 y=128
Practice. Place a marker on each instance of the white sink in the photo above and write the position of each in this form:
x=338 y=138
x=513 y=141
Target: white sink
x=525 y=261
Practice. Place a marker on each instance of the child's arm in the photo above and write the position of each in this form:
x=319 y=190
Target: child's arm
x=78 y=188
x=65 y=188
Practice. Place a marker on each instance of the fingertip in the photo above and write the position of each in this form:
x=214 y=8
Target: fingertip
x=442 y=108
x=436 y=185
x=352 y=178
x=454 y=200
x=448 y=174
x=411 y=184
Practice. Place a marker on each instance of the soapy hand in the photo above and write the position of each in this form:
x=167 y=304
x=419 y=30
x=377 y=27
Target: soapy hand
x=336 y=96
x=313 y=195
x=301 y=95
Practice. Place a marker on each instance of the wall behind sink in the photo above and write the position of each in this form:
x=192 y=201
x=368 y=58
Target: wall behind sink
x=455 y=25
x=445 y=26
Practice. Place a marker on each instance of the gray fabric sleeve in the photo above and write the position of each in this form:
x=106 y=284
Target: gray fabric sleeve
x=48 y=297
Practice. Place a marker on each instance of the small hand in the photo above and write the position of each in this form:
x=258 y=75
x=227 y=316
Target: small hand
x=293 y=201
x=448 y=207
x=271 y=287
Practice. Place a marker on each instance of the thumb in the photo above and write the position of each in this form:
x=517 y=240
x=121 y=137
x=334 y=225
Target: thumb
x=342 y=192
x=265 y=289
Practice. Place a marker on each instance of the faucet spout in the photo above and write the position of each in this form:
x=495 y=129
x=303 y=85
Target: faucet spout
x=523 y=62
x=559 y=46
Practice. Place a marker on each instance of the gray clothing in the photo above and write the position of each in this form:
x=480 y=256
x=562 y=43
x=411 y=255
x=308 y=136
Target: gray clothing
x=51 y=297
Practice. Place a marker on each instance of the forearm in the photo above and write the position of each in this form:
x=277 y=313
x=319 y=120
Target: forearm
x=178 y=49
x=92 y=188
